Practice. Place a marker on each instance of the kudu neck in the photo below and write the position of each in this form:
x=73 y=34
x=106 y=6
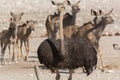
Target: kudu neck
x=74 y=14
x=93 y=35
x=29 y=31
x=101 y=26
x=98 y=26
x=99 y=29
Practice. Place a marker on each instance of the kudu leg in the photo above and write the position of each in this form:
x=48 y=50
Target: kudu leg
x=27 y=50
x=15 y=53
x=13 y=57
x=21 y=52
x=18 y=47
x=101 y=59
x=3 y=53
x=2 y=59
x=9 y=59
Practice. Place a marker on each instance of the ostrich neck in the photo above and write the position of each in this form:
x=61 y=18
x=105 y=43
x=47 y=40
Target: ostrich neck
x=61 y=25
x=61 y=33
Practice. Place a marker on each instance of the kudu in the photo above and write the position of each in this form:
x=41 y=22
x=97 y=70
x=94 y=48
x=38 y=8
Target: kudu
x=101 y=20
x=9 y=36
x=5 y=39
x=93 y=35
x=16 y=21
x=52 y=22
x=92 y=30
x=23 y=34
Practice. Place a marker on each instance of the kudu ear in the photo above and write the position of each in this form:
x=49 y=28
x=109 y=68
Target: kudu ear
x=53 y=2
x=35 y=21
x=68 y=2
x=78 y=2
x=110 y=11
x=94 y=12
x=21 y=14
x=27 y=21
x=12 y=14
x=91 y=11
x=101 y=12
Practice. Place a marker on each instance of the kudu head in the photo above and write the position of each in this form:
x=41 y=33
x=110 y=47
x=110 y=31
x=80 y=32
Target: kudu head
x=16 y=17
x=31 y=24
x=60 y=6
x=75 y=7
x=14 y=23
x=107 y=17
x=100 y=16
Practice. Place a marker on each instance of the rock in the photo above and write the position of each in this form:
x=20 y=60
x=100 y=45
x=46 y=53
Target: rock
x=109 y=71
x=31 y=75
x=98 y=74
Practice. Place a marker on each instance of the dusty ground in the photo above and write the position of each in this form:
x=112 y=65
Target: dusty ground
x=25 y=70
x=38 y=10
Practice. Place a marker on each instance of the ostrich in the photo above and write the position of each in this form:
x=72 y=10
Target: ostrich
x=76 y=53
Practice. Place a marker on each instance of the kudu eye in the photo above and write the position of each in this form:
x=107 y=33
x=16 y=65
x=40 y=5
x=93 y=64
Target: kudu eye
x=62 y=7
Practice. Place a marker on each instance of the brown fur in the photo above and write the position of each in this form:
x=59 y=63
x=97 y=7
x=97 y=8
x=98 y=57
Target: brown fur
x=52 y=21
x=9 y=36
x=23 y=34
x=92 y=30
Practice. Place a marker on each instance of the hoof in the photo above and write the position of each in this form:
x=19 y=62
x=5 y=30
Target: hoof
x=3 y=63
x=16 y=62
x=9 y=62
x=102 y=70
x=26 y=59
